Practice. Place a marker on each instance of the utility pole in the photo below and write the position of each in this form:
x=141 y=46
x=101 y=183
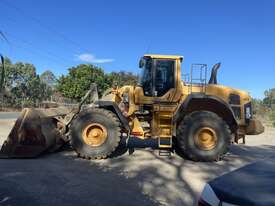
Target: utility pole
x=270 y=99
x=2 y=80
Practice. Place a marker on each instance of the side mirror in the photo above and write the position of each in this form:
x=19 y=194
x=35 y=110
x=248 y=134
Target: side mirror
x=141 y=62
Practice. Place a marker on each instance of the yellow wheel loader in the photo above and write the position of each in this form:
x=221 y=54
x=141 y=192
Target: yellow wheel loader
x=199 y=118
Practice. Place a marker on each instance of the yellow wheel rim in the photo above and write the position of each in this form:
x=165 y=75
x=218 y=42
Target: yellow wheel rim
x=206 y=138
x=94 y=134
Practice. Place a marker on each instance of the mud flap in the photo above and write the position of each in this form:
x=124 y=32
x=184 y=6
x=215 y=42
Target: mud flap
x=34 y=132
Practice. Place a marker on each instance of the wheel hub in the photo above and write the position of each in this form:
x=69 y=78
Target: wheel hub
x=206 y=138
x=94 y=134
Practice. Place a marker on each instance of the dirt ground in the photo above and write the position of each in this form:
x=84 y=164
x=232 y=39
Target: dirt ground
x=140 y=178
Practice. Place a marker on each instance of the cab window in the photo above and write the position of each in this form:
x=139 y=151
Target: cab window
x=146 y=78
x=164 y=76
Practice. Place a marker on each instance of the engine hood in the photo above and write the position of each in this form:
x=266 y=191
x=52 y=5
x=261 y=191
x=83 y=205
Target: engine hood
x=224 y=92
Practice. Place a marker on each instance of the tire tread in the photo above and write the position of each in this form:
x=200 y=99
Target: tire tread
x=118 y=132
x=181 y=133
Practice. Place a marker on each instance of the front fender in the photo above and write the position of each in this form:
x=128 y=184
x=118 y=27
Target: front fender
x=196 y=102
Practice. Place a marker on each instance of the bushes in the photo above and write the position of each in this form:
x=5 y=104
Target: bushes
x=265 y=109
x=272 y=117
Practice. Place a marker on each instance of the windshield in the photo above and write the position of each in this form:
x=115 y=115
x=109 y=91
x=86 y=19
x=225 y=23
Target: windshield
x=145 y=73
x=145 y=78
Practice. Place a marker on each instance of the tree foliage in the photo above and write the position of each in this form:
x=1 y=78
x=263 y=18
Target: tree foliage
x=258 y=107
x=49 y=78
x=23 y=86
x=269 y=99
x=79 y=79
x=123 y=78
x=266 y=108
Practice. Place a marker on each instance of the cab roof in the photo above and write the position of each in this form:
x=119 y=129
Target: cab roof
x=158 y=56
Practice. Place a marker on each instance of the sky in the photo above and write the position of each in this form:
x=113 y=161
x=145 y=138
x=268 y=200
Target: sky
x=57 y=35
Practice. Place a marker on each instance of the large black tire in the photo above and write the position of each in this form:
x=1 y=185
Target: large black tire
x=187 y=131
x=98 y=116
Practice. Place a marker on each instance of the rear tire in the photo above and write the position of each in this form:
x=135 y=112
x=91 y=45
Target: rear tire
x=203 y=136
x=106 y=122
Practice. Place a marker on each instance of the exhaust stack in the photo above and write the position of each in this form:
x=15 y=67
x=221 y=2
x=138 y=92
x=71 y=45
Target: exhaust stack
x=213 y=78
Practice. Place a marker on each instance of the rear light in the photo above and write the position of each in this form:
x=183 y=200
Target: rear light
x=201 y=202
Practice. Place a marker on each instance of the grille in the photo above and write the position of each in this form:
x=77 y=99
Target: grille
x=234 y=99
x=237 y=112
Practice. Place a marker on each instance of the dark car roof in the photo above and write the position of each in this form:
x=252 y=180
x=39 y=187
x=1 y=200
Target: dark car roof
x=253 y=184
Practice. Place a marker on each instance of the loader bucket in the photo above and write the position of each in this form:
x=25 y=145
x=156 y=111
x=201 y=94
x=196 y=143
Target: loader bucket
x=34 y=132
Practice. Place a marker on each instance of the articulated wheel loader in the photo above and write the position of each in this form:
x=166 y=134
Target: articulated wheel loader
x=200 y=119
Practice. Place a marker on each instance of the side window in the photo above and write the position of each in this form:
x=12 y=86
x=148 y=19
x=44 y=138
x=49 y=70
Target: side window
x=165 y=78
x=147 y=82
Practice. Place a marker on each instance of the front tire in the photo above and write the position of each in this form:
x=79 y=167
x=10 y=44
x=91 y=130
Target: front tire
x=203 y=136
x=95 y=133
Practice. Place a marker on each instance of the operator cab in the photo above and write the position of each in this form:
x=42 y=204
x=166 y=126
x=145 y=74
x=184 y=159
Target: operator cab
x=159 y=74
x=157 y=93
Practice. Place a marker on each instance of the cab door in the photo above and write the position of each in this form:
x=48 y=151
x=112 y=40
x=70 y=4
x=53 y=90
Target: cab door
x=164 y=73
x=164 y=105
x=158 y=91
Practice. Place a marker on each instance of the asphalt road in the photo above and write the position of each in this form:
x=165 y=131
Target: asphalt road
x=142 y=178
x=8 y=115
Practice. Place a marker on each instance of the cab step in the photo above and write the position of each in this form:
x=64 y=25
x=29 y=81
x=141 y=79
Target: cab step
x=165 y=153
x=165 y=142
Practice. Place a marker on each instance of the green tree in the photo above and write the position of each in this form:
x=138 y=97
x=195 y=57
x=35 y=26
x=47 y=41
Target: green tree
x=79 y=79
x=23 y=85
x=269 y=98
x=37 y=90
x=272 y=117
x=48 y=78
x=259 y=108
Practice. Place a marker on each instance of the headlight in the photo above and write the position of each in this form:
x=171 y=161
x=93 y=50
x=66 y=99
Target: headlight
x=248 y=111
